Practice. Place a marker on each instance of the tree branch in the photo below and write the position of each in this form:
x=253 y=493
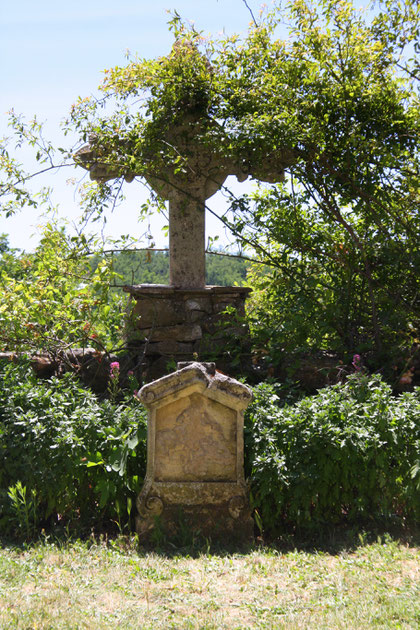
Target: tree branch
x=250 y=10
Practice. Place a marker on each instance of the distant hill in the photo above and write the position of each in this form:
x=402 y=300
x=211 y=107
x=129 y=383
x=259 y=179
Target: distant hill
x=153 y=268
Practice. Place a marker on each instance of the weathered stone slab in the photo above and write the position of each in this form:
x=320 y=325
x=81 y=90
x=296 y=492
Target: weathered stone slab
x=195 y=455
x=195 y=441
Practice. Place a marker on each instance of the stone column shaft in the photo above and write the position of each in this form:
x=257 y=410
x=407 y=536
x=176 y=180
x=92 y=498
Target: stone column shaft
x=187 y=264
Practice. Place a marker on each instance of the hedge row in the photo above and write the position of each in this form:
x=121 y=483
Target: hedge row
x=350 y=454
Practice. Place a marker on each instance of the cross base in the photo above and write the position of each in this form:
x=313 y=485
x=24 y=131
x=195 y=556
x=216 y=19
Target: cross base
x=169 y=324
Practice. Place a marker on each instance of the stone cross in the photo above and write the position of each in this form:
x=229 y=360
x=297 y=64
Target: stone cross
x=203 y=174
x=203 y=170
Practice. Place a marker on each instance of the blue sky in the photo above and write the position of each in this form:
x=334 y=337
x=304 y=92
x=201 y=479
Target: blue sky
x=51 y=52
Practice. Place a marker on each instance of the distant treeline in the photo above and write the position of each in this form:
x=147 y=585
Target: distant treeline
x=140 y=267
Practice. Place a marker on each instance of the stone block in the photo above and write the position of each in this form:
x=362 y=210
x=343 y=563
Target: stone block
x=149 y=312
x=170 y=347
x=219 y=307
x=199 y=304
x=197 y=309
x=183 y=332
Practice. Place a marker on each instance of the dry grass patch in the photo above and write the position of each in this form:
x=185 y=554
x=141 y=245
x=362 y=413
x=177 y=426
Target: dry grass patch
x=106 y=586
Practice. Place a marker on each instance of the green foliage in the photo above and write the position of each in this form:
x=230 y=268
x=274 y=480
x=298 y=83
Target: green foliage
x=66 y=457
x=345 y=455
x=137 y=267
x=52 y=300
x=342 y=233
x=226 y=271
x=14 y=193
x=9 y=259
x=24 y=510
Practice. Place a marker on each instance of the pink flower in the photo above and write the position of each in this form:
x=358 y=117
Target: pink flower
x=356 y=362
x=114 y=369
x=407 y=377
x=130 y=373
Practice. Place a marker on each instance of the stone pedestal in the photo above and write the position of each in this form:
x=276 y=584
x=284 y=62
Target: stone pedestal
x=169 y=324
x=195 y=476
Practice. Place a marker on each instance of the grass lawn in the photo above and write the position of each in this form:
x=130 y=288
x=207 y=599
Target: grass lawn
x=96 y=585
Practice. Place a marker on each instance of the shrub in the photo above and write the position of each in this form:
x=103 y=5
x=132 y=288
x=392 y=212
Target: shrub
x=80 y=459
x=347 y=454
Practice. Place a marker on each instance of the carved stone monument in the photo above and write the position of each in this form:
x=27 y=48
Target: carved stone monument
x=195 y=469
x=179 y=320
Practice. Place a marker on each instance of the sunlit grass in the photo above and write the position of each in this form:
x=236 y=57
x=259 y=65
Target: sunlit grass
x=96 y=586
